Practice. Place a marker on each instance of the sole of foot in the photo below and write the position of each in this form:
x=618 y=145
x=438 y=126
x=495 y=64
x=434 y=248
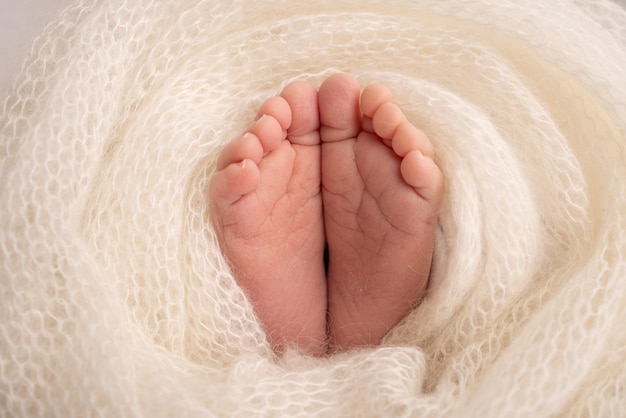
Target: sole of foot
x=266 y=209
x=381 y=191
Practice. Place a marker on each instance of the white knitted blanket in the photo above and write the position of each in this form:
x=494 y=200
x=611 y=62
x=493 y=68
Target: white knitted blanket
x=116 y=302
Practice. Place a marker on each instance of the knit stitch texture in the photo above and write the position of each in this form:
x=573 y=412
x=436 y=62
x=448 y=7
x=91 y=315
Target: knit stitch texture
x=115 y=300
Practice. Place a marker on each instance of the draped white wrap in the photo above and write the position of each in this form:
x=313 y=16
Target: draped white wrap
x=115 y=300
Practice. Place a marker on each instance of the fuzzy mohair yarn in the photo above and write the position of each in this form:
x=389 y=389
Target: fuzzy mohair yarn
x=115 y=300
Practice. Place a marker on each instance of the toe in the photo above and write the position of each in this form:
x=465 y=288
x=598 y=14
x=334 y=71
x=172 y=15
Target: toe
x=340 y=113
x=278 y=108
x=408 y=138
x=269 y=132
x=422 y=173
x=373 y=97
x=386 y=120
x=246 y=146
x=302 y=99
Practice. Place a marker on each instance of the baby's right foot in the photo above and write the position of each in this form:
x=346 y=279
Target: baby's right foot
x=381 y=193
x=267 y=212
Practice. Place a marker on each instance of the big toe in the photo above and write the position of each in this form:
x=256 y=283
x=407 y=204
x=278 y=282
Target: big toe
x=302 y=99
x=339 y=109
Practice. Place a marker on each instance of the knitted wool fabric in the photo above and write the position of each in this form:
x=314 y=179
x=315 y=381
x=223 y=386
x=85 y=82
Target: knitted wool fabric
x=115 y=300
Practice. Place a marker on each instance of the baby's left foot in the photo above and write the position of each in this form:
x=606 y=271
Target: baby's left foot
x=381 y=192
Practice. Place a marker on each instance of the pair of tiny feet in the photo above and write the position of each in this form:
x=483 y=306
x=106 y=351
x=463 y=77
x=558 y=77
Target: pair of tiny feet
x=336 y=170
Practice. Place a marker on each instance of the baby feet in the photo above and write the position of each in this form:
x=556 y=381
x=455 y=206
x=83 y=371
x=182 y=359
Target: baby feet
x=356 y=176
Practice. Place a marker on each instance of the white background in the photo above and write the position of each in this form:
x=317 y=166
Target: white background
x=21 y=21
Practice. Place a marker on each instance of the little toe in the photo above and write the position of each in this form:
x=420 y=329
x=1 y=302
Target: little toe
x=422 y=173
x=339 y=109
x=269 y=132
